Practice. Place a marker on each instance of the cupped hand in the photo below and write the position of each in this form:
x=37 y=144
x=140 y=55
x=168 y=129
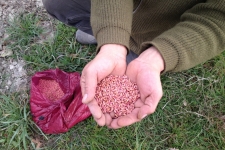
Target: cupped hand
x=111 y=59
x=145 y=71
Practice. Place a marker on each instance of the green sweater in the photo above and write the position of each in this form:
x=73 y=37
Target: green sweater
x=186 y=33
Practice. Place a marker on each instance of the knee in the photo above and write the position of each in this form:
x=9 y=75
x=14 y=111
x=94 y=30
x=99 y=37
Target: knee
x=45 y=3
x=48 y=5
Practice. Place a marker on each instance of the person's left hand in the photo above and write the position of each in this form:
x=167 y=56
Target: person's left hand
x=145 y=71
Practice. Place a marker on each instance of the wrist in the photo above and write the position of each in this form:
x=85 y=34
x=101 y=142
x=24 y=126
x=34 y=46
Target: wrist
x=153 y=57
x=114 y=49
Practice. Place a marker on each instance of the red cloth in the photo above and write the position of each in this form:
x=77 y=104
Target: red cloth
x=58 y=116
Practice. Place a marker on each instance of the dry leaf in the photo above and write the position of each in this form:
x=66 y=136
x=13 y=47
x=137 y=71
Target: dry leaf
x=36 y=141
x=73 y=55
x=6 y=52
x=185 y=103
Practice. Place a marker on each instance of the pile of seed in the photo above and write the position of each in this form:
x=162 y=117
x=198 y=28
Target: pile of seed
x=117 y=94
x=50 y=89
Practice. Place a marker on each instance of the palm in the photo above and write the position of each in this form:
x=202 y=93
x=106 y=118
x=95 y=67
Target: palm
x=149 y=84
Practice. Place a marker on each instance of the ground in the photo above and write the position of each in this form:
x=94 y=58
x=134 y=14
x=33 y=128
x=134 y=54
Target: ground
x=12 y=73
x=190 y=115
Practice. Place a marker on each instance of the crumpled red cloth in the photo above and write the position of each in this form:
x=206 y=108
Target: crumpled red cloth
x=57 y=116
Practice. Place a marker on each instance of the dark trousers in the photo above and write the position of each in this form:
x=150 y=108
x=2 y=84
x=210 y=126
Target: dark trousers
x=75 y=13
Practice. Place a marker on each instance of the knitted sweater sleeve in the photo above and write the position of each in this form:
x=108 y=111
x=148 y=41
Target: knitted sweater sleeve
x=116 y=22
x=198 y=37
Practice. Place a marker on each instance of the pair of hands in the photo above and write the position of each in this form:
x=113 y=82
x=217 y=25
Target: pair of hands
x=144 y=70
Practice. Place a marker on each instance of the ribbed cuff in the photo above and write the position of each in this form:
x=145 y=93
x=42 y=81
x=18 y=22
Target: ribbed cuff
x=112 y=35
x=168 y=53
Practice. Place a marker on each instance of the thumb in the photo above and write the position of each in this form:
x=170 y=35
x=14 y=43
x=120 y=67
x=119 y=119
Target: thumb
x=151 y=101
x=131 y=71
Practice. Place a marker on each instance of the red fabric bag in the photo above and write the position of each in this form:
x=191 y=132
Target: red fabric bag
x=58 y=115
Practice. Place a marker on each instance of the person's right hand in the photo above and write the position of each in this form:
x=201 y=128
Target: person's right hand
x=111 y=59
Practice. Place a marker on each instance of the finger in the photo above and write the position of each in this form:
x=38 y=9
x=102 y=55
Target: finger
x=95 y=109
x=108 y=119
x=125 y=120
x=90 y=84
x=138 y=103
x=131 y=68
x=145 y=110
x=101 y=121
x=82 y=83
x=151 y=103
x=112 y=114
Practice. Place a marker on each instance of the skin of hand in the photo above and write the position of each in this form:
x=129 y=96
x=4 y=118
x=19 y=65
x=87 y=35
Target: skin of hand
x=111 y=59
x=145 y=71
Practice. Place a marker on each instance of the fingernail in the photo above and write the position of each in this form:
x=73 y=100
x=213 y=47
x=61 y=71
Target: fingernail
x=84 y=98
x=143 y=116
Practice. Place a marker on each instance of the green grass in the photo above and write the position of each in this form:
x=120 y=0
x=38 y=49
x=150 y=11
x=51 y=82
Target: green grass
x=15 y=123
x=190 y=116
x=62 y=52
